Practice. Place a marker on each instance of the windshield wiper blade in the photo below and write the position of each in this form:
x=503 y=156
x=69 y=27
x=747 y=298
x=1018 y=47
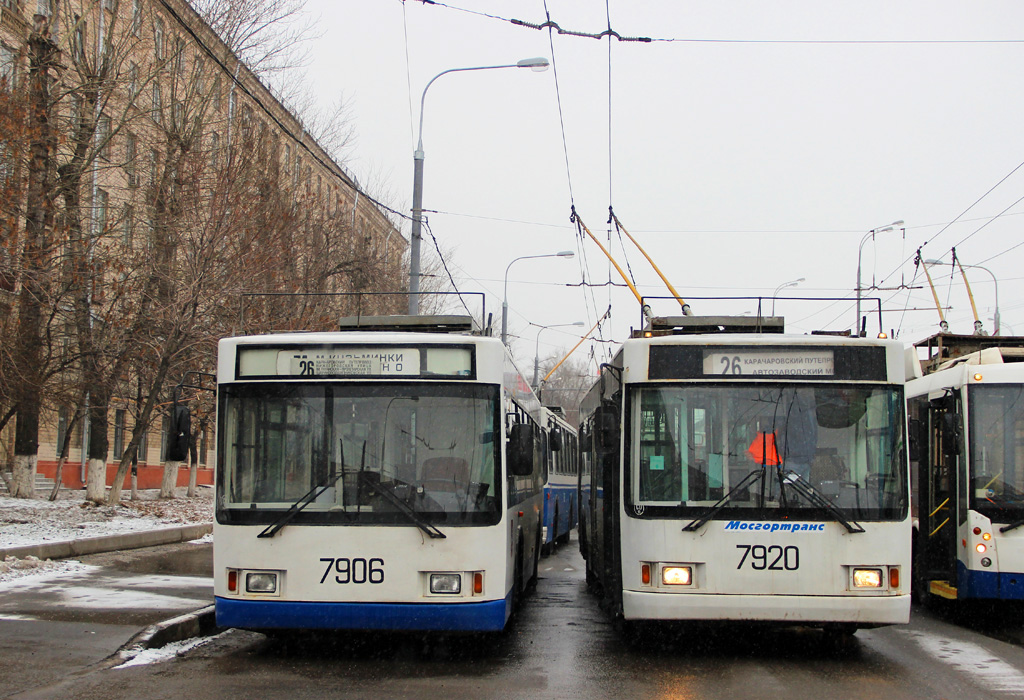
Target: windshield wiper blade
x=404 y=507
x=748 y=480
x=808 y=491
x=1012 y=526
x=297 y=507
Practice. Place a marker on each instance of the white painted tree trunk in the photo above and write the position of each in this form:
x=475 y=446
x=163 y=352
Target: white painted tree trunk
x=96 y=481
x=23 y=476
x=191 y=479
x=170 y=479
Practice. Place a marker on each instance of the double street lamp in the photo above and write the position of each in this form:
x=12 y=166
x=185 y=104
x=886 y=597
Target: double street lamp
x=784 y=285
x=535 y=64
x=536 y=350
x=870 y=234
x=995 y=283
x=504 y=297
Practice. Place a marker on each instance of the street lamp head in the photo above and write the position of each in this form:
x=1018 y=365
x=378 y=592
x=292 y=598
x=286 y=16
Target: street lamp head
x=934 y=262
x=537 y=65
x=566 y=254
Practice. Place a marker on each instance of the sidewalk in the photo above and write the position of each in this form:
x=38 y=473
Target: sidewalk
x=127 y=592
x=108 y=543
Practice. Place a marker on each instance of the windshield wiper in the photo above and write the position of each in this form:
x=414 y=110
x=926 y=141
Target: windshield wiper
x=297 y=507
x=808 y=491
x=389 y=495
x=749 y=480
x=1012 y=526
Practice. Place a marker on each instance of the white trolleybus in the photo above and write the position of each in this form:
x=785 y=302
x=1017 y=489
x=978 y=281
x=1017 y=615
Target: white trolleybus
x=966 y=408
x=562 y=464
x=745 y=476
x=375 y=480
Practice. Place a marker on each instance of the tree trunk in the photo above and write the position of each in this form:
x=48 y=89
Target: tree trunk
x=36 y=261
x=170 y=479
x=193 y=463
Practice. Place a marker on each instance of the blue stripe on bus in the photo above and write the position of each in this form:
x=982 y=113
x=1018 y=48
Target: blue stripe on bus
x=989 y=584
x=490 y=616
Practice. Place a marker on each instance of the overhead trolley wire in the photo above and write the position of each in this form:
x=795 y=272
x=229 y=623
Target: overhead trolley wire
x=551 y=25
x=584 y=267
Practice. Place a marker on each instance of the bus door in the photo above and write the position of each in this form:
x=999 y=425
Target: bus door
x=938 y=512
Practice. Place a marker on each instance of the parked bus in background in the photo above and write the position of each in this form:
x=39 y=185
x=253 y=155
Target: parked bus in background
x=966 y=409
x=737 y=473
x=384 y=477
x=562 y=459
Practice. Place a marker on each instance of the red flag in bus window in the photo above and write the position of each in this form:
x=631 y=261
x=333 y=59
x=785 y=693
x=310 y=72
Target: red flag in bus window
x=762 y=449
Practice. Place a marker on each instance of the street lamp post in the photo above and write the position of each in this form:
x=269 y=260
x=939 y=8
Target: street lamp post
x=995 y=283
x=536 y=350
x=504 y=297
x=536 y=64
x=870 y=234
x=782 y=286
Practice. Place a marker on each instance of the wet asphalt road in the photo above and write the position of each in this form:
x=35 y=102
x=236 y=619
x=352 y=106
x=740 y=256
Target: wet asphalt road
x=562 y=646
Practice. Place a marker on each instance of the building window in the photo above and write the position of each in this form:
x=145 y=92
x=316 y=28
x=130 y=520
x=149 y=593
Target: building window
x=100 y=211
x=119 y=423
x=8 y=58
x=133 y=80
x=42 y=7
x=127 y=224
x=137 y=17
x=130 y=153
x=78 y=47
x=103 y=136
x=178 y=116
x=165 y=440
x=158 y=38
x=203 y=446
x=179 y=57
x=154 y=165
x=157 y=103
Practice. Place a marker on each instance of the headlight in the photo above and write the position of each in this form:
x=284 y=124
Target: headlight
x=261 y=583
x=867 y=578
x=676 y=576
x=450 y=584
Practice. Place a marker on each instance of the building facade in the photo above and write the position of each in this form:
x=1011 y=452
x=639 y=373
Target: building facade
x=171 y=170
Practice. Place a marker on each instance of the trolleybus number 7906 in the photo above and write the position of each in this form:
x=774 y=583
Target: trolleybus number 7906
x=773 y=558
x=356 y=570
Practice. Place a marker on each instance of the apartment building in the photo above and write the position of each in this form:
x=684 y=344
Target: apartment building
x=156 y=119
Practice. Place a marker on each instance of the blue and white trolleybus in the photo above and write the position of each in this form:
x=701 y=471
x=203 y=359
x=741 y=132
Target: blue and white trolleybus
x=375 y=479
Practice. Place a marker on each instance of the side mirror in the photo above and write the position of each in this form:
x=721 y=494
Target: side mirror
x=180 y=436
x=607 y=431
x=520 y=450
x=555 y=441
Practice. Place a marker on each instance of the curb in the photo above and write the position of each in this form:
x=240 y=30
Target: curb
x=109 y=543
x=198 y=623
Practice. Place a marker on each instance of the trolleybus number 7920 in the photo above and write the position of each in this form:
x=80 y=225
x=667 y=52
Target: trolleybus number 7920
x=356 y=570
x=773 y=558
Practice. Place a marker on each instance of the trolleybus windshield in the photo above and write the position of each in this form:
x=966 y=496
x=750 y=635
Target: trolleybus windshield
x=997 y=453
x=692 y=445
x=430 y=446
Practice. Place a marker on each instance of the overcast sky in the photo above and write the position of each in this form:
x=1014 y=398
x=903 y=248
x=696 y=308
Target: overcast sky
x=758 y=147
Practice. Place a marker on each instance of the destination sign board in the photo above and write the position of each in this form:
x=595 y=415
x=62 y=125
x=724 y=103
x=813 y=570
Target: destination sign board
x=334 y=361
x=810 y=362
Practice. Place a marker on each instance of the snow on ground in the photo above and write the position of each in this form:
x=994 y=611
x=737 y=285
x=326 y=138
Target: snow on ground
x=168 y=651
x=37 y=521
x=70 y=517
